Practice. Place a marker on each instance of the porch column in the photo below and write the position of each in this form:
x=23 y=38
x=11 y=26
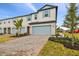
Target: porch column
x=2 y=30
x=6 y=30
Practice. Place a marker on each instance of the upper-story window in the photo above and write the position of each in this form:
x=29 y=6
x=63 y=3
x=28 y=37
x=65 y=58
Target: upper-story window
x=8 y=21
x=29 y=17
x=35 y=16
x=4 y=22
x=13 y=21
x=0 y=23
x=46 y=13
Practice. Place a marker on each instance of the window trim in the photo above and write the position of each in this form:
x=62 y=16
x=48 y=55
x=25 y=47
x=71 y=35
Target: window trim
x=0 y=23
x=8 y=21
x=46 y=12
x=4 y=22
x=29 y=17
x=35 y=16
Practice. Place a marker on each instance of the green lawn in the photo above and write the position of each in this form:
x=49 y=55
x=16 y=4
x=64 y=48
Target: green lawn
x=57 y=49
x=4 y=38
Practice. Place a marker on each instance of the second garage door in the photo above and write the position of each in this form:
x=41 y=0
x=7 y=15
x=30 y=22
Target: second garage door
x=41 y=30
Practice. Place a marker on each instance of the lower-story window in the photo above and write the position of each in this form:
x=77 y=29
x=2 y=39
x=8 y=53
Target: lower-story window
x=0 y=30
x=23 y=30
x=13 y=30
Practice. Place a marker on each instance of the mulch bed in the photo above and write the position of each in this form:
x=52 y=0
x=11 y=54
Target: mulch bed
x=75 y=46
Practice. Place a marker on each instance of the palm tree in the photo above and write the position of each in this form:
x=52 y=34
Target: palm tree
x=71 y=19
x=18 y=25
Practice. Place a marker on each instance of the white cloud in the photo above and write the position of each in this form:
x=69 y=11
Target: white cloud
x=31 y=6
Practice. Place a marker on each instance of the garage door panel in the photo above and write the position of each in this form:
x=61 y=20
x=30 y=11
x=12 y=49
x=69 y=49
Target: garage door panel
x=41 y=30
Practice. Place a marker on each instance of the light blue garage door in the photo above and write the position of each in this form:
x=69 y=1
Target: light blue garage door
x=41 y=30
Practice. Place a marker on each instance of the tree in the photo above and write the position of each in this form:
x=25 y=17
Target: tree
x=71 y=19
x=18 y=25
x=58 y=29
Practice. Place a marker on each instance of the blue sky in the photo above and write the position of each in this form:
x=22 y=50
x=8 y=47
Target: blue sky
x=8 y=10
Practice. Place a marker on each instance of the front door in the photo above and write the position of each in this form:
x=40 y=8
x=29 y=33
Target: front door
x=9 y=30
x=28 y=29
x=4 y=30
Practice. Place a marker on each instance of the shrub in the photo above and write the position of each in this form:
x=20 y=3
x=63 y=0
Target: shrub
x=64 y=40
x=23 y=34
x=1 y=33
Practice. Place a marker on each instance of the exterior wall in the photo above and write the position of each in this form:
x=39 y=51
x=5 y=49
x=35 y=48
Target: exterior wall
x=53 y=14
x=6 y=23
x=53 y=28
x=0 y=30
x=30 y=29
x=11 y=24
x=40 y=17
x=1 y=26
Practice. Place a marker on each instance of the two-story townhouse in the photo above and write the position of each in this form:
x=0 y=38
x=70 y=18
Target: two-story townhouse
x=42 y=22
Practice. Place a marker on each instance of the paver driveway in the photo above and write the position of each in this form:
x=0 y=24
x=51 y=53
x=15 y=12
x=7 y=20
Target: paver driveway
x=28 y=45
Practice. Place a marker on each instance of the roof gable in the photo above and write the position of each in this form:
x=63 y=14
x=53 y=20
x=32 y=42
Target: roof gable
x=47 y=7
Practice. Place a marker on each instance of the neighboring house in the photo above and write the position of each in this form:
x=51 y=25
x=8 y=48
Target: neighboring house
x=42 y=22
x=64 y=29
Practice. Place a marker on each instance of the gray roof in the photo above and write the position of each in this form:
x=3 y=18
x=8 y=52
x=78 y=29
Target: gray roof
x=41 y=9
